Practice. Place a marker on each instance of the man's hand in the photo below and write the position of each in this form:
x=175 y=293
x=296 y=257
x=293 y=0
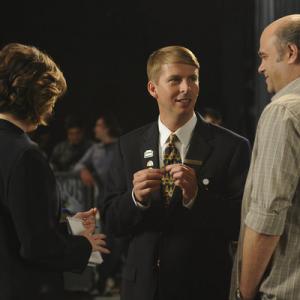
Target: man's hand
x=185 y=178
x=145 y=182
x=87 y=177
x=88 y=219
x=97 y=241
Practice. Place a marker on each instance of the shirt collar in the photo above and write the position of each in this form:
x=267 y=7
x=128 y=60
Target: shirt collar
x=291 y=87
x=183 y=133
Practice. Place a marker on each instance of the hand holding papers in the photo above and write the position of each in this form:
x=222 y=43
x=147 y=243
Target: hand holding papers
x=77 y=228
x=88 y=218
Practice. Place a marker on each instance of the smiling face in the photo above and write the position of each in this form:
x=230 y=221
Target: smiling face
x=176 y=92
x=273 y=64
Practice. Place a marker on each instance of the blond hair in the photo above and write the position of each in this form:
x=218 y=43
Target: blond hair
x=169 y=55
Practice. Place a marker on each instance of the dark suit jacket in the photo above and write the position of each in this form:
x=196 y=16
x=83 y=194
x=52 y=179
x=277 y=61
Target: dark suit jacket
x=34 y=248
x=191 y=245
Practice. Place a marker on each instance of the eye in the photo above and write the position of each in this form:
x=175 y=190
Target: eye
x=263 y=56
x=174 y=79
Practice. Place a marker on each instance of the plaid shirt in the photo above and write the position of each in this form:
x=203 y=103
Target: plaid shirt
x=271 y=202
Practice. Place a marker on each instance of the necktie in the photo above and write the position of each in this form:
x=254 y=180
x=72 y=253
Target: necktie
x=171 y=156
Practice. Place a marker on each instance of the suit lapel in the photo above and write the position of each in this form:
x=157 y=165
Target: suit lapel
x=200 y=147
x=149 y=148
x=199 y=151
x=149 y=155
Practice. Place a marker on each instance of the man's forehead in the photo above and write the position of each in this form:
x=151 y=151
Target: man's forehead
x=178 y=67
x=267 y=41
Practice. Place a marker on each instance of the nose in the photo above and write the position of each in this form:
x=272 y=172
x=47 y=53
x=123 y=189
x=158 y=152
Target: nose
x=184 y=86
x=261 y=68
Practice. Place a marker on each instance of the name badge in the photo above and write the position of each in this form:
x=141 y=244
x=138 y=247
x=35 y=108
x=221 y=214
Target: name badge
x=193 y=162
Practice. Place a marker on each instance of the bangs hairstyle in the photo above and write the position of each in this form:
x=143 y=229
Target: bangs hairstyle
x=169 y=55
x=30 y=83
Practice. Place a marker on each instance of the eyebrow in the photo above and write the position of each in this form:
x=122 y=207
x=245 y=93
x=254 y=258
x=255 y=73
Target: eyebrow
x=174 y=76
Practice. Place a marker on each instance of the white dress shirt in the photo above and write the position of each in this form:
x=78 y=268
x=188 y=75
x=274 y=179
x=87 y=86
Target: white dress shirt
x=184 y=135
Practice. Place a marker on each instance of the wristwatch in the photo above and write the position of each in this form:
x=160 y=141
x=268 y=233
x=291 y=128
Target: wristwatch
x=238 y=295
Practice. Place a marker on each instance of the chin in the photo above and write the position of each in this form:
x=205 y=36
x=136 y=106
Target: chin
x=186 y=113
x=271 y=91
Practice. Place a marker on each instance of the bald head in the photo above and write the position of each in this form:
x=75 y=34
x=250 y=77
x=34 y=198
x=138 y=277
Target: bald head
x=286 y=31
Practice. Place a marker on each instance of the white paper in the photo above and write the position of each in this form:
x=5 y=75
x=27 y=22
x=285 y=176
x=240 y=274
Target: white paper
x=77 y=227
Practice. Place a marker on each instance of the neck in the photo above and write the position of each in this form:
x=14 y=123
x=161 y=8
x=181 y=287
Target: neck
x=108 y=140
x=25 y=126
x=292 y=74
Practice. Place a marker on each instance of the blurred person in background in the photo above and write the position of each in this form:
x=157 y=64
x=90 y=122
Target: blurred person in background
x=93 y=168
x=68 y=152
x=94 y=164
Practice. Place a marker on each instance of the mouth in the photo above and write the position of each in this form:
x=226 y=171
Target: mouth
x=183 y=100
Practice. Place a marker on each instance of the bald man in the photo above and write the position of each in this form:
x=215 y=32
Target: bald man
x=267 y=264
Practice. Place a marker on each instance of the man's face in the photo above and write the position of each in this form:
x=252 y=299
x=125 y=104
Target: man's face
x=75 y=135
x=100 y=129
x=272 y=66
x=176 y=91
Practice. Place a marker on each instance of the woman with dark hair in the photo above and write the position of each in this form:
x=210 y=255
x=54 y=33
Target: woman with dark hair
x=34 y=247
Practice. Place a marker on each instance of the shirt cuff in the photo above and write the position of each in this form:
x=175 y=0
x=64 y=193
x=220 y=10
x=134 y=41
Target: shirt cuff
x=270 y=223
x=139 y=204
x=191 y=202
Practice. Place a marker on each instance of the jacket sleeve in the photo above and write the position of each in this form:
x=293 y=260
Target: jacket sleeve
x=33 y=204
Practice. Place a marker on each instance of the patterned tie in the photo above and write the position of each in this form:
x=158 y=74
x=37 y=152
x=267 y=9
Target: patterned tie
x=170 y=156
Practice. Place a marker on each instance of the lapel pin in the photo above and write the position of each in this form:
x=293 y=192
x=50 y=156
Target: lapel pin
x=150 y=164
x=148 y=153
x=205 y=181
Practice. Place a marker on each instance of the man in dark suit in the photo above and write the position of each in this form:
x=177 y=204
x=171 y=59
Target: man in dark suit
x=180 y=217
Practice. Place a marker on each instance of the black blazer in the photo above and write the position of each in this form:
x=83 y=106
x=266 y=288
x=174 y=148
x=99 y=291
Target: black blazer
x=34 y=248
x=179 y=253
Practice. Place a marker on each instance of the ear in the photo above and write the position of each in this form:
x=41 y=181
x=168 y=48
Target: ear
x=293 y=53
x=152 y=89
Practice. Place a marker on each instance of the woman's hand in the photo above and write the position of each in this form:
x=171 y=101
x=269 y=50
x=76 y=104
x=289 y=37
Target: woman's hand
x=88 y=219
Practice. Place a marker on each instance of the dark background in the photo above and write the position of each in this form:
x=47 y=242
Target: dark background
x=102 y=48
